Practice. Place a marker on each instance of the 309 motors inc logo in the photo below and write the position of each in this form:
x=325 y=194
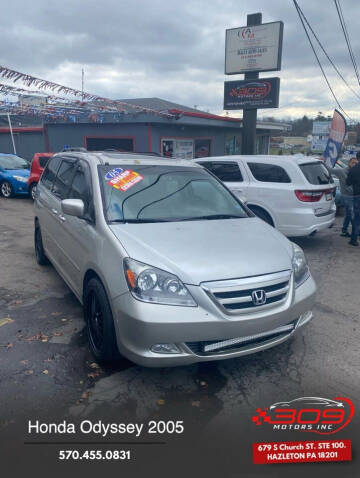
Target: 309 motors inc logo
x=308 y=414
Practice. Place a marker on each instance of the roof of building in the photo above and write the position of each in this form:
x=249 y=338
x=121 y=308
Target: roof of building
x=158 y=104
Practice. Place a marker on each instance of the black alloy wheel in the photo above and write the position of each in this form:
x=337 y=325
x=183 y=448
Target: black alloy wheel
x=40 y=255
x=96 y=323
x=100 y=323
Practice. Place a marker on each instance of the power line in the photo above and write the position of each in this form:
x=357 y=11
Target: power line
x=328 y=57
x=347 y=38
x=301 y=15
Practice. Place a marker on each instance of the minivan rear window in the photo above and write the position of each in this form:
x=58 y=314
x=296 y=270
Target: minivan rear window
x=316 y=173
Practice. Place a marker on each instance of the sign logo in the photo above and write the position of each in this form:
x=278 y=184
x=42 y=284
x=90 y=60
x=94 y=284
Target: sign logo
x=307 y=414
x=254 y=90
x=245 y=94
x=258 y=297
x=113 y=173
x=247 y=33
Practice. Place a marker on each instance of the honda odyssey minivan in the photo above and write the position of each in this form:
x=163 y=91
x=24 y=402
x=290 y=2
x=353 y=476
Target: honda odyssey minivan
x=170 y=266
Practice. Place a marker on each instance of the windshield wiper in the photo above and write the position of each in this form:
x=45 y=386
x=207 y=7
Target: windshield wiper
x=212 y=216
x=139 y=221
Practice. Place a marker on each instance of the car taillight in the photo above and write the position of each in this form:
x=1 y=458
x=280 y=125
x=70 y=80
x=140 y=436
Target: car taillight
x=309 y=196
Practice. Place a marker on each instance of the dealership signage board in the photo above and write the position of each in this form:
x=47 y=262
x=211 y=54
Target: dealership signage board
x=321 y=127
x=251 y=94
x=253 y=48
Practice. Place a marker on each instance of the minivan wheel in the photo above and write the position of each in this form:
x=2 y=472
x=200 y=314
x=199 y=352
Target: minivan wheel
x=100 y=322
x=6 y=189
x=259 y=212
x=32 y=190
x=41 y=258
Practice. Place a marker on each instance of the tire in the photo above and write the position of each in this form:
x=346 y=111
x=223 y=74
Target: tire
x=32 y=190
x=6 y=189
x=99 y=322
x=260 y=213
x=40 y=255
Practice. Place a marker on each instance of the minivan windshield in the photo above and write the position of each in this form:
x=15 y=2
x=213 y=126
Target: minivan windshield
x=10 y=161
x=160 y=193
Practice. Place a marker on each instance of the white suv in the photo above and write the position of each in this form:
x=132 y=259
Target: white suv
x=294 y=194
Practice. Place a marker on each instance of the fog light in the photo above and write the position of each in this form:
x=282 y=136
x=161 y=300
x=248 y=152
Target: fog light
x=165 y=349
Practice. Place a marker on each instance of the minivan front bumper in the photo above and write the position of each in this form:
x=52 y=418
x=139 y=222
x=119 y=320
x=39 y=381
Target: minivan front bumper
x=140 y=326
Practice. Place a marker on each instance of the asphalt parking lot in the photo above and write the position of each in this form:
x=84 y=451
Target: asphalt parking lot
x=46 y=364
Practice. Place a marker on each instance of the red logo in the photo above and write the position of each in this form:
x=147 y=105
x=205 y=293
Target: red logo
x=254 y=90
x=308 y=414
x=247 y=33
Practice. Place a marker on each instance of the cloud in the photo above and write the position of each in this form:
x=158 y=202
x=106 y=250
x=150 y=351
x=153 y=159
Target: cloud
x=172 y=49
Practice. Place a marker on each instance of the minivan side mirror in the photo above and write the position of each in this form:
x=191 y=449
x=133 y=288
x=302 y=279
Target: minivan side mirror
x=73 y=207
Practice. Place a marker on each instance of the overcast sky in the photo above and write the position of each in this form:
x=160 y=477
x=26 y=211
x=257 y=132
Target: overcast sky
x=174 y=49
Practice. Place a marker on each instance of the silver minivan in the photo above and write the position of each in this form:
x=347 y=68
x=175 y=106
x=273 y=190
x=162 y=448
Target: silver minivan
x=170 y=266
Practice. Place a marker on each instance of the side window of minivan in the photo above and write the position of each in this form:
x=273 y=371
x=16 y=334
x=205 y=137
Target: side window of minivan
x=63 y=178
x=269 y=173
x=81 y=188
x=228 y=171
x=50 y=172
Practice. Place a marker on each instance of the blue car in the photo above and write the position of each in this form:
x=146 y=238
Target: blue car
x=14 y=174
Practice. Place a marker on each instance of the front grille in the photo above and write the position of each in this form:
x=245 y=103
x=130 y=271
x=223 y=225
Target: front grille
x=214 y=347
x=237 y=295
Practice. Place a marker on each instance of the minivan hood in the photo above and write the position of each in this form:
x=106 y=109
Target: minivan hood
x=199 y=251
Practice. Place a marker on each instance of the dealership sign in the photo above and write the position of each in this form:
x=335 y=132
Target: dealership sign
x=253 y=48
x=251 y=94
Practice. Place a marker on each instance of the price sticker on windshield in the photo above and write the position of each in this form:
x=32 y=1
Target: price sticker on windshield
x=123 y=180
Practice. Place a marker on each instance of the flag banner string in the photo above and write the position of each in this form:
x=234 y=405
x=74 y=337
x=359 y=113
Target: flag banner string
x=29 y=80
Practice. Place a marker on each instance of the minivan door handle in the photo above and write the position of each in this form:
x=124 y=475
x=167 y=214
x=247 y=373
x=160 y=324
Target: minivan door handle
x=62 y=218
x=54 y=211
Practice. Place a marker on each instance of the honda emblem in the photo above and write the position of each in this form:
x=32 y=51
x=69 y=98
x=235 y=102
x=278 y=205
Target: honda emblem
x=258 y=297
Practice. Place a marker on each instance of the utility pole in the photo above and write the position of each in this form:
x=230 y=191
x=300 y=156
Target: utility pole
x=250 y=115
x=11 y=132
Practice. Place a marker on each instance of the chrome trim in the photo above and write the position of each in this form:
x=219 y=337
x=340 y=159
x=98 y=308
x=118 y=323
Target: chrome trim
x=274 y=293
x=239 y=340
x=232 y=285
x=249 y=284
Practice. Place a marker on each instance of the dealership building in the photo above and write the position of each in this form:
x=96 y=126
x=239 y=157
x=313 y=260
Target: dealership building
x=163 y=127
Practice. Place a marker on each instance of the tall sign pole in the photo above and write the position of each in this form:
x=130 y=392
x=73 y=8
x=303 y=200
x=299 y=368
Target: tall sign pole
x=250 y=50
x=250 y=115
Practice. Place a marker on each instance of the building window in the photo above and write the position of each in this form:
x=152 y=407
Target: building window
x=202 y=148
x=185 y=148
x=102 y=143
x=233 y=144
x=262 y=144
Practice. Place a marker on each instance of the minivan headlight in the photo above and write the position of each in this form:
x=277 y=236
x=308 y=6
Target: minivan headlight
x=150 y=284
x=300 y=266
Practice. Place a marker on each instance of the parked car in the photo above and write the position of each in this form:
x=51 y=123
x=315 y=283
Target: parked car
x=295 y=194
x=37 y=167
x=14 y=174
x=171 y=268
